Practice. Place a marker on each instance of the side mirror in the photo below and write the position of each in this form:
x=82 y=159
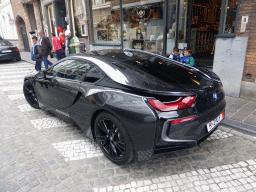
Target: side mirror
x=40 y=75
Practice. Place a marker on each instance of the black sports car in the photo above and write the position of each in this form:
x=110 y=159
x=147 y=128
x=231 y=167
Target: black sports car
x=133 y=103
x=8 y=51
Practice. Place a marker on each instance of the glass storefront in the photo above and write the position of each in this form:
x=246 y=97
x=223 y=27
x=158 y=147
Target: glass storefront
x=79 y=17
x=188 y=23
x=106 y=21
x=172 y=27
x=143 y=25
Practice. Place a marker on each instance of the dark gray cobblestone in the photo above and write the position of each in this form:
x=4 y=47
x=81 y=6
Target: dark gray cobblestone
x=33 y=157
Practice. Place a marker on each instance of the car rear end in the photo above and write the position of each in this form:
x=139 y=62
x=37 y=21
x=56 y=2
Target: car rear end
x=190 y=120
x=8 y=51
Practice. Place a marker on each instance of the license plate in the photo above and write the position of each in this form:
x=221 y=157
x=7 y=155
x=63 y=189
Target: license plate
x=214 y=122
x=6 y=51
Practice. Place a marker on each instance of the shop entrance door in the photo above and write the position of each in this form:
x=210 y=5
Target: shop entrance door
x=24 y=36
x=194 y=24
x=205 y=25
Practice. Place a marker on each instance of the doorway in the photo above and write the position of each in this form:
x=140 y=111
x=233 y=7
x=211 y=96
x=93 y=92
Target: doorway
x=23 y=33
x=205 y=25
x=198 y=23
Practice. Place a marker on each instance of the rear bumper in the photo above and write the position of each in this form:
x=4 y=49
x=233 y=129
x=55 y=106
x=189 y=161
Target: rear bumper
x=188 y=134
x=9 y=56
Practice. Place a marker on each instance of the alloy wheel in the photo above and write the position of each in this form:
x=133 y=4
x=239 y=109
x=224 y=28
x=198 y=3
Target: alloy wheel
x=111 y=139
x=30 y=95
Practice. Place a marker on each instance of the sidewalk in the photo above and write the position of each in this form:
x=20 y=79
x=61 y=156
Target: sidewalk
x=240 y=113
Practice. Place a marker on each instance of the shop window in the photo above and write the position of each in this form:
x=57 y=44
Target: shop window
x=79 y=18
x=229 y=18
x=106 y=22
x=143 y=25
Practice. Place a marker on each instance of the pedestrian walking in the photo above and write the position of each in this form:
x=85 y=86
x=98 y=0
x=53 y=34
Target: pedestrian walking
x=36 y=54
x=46 y=48
x=56 y=46
x=71 y=44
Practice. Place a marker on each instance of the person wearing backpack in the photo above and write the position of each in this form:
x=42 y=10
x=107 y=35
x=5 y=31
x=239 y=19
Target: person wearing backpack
x=188 y=59
x=36 y=54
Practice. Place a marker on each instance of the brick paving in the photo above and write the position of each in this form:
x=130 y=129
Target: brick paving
x=41 y=152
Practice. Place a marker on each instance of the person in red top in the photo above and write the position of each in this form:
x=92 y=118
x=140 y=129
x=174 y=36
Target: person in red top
x=56 y=45
x=61 y=35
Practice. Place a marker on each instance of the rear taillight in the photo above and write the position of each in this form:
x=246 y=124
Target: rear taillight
x=182 y=103
x=16 y=49
x=183 y=120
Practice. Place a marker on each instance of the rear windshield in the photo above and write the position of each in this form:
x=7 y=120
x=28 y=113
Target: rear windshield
x=151 y=65
x=5 y=43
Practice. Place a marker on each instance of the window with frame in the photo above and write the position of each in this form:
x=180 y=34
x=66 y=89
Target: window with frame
x=106 y=21
x=229 y=15
x=143 y=25
x=79 y=17
x=70 y=69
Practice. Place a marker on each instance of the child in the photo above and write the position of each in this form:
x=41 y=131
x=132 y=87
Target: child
x=175 y=54
x=188 y=58
x=36 y=54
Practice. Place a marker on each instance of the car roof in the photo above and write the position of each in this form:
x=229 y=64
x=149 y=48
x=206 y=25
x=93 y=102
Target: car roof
x=127 y=67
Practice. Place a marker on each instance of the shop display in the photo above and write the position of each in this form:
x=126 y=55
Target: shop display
x=79 y=17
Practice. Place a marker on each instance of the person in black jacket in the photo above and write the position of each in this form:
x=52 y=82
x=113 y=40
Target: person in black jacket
x=36 y=54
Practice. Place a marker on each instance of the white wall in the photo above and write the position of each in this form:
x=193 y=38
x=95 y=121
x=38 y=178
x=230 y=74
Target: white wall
x=229 y=61
x=7 y=30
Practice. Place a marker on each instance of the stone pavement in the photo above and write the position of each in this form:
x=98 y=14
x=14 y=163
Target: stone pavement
x=41 y=152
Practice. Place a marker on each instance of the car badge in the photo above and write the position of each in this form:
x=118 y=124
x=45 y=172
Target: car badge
x=215 y=96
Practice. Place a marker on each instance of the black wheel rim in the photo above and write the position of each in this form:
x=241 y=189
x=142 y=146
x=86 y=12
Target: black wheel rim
x=111 y=139
x=30 y=95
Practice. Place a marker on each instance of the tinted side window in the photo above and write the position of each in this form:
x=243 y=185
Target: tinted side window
x=58 y=70
x=70 y=69
x=94 y=75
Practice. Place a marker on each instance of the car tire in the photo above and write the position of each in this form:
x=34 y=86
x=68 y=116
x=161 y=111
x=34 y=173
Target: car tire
x=30 y=95
x=19 y=59
x=113 y=139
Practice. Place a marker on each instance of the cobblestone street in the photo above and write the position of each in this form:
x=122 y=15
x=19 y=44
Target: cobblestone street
x=41 y=152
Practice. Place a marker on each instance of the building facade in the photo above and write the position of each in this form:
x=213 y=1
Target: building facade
x=7 y=25
x=68 y=15
x=28 y=19
x=221 y=33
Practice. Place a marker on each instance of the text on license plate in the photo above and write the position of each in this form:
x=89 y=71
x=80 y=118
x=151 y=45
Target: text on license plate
x=7 y=51
x=214 y=122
